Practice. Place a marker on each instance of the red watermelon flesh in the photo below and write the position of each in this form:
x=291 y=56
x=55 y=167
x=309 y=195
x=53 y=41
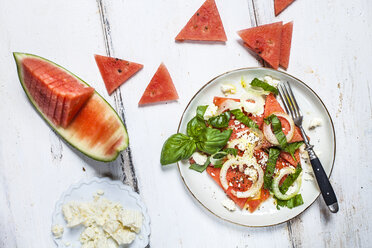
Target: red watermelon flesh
x=254 y=204
x=44 y=80
x=288 y=157
x=115 y=71
x=285 y=47
x=272 y=105
x=204 y=25
x=264 y=40
x=160 y=88
x=280 y=5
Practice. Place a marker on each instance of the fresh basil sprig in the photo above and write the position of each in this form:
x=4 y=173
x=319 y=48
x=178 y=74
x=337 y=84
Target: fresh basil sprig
x=231 y=151
x=200 y=168
x=196 y=127
x=291 y=178
x=291 y=203
x=213 y=140
x=277 y=129
x=265 y=86
x=177 y=147
x=220 y=121
x=240 y=116
x=200 y=110
x=270 y=167
x=292 y=147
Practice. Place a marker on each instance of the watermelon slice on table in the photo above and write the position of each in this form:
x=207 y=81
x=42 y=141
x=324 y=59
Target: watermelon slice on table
x=264 y=40
x=285 y=47
x=115 y=71
x=96 y=130
x=160 y=88
x=204 y=25
x=280 y=5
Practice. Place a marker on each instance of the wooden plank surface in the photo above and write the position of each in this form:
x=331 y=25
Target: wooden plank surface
x=330 y=52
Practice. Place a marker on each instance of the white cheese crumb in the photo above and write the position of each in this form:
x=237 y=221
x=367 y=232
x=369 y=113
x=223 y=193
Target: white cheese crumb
x=271 y=81
x=199 y=158
x=228 y=204
x=66 y=243
x=100 y=192
x=210 y=111
x=314 y=123
x=252 y=173
x=228 y=89
x=57 y=231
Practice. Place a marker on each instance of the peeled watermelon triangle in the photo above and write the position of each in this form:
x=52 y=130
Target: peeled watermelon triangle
x=285 y=47
x=160 y=88
x=280 y=5
x=115 y=71
x=204 y=25
x=264 y=40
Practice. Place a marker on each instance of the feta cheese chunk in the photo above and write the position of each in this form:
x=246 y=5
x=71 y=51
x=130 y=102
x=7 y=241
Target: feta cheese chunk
x=229 y=204
x=131 y=219
x=271 y=81
x=57 y=231
x=228 y=89
x=314 y=123
x=199 y=158
x=210 y=111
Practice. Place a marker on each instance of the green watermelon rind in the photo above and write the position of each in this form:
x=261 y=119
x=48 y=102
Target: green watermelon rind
x=18 y=58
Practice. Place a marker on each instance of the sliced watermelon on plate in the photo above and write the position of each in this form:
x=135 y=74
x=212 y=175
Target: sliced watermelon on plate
x=280 y=5
x=285 y=47
x=264 y=40
x=160 y=88
x=96 y=130
x=204 y=25
x=115 y=71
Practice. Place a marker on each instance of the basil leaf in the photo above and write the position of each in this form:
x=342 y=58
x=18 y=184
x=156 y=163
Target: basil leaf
x=291 y=203
x=277 y=130
x=213 y=140
x=231 y=151
x=292 y=147
x=270 y=167
x=200 y=168
x=263 y=85
x=200 y=110
x=196 y=127
x=177 y=147
x=290 y=180
x=240 y=116
x=220 y=121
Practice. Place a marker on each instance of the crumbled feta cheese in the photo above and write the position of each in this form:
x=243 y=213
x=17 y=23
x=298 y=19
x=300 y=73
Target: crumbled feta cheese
x=57 y=231
x=271 y=81
x=314 y=123
x=252 y=173
x=66 y=243
x=100 y=192
x=210 y=111
x=229 y=204
x=263 y=158
x=236 y=122
x=199 y=158
x=228 y=89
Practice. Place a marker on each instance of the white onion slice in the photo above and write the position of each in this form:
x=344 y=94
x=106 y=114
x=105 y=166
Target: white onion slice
x=282 y=173
x=270 y=136
x=228 y=105
x=256 y=107
x=253 y=189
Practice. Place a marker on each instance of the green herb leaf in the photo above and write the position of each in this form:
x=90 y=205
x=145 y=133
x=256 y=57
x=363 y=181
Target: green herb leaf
x=177 y=147
x=291 y=178
x=213 y=140
x=265 y=86
x=200 y=110
x=196 y=127
x=240 y=116
x=220 y=121
x=270 y=167
x=200 y=168
x=291 y=203
x=292 y=147
x=277 y=130
x=231 y=151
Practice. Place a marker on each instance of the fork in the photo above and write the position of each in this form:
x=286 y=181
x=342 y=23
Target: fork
x=292 y=108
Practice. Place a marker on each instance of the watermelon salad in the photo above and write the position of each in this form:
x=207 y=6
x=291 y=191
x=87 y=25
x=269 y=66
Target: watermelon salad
x=248 y=145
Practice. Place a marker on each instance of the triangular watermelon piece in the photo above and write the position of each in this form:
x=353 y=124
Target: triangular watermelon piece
x=272 y=105
x=285 y=47
x=115 y=71
x=204 y=25
x=160 y=88
x=264 y=40
x=280 y=5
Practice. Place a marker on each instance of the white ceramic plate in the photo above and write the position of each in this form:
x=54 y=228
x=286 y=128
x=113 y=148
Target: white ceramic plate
x=210 y=195
x=114 y=191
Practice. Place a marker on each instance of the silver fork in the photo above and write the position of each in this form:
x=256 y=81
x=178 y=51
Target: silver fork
x=292 y=108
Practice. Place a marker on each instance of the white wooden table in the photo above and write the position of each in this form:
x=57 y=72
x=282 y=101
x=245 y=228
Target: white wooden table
x=331 y=52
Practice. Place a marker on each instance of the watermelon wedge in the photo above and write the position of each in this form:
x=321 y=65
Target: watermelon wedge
x=160 y=88
x=96 y=130
x=115 y=71
x=204 y=25
x=264 y=40
x=280 y=5
x=285 y=46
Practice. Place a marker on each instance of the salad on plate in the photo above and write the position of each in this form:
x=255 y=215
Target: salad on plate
x=248 y=145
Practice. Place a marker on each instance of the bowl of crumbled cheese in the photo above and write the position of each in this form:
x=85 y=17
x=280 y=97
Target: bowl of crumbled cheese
x=100 y=212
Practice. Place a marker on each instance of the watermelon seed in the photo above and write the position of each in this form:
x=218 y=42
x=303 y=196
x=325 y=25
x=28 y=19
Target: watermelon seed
x=119 y=70
x=206 y=27
x=195 y=26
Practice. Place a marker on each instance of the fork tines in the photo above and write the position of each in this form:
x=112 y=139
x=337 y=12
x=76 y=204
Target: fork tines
x=289 y=101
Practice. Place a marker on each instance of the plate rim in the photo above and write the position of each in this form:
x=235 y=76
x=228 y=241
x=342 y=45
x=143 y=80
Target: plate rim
x=268 y=69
